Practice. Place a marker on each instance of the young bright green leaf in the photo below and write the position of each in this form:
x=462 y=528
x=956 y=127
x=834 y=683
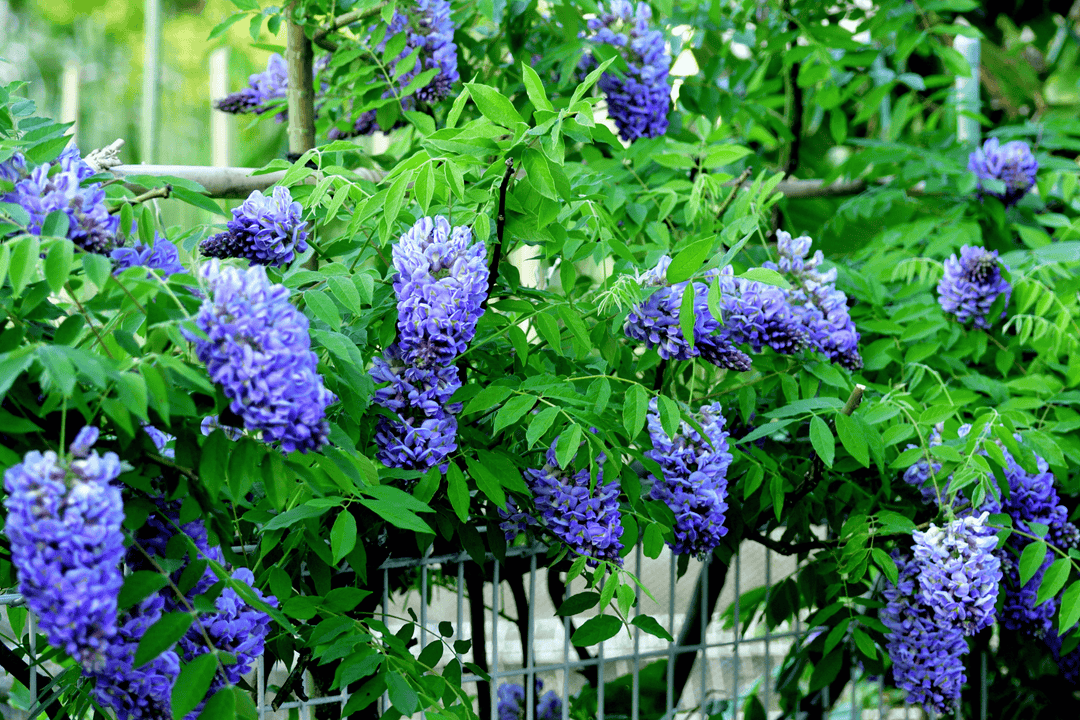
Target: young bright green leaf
x=650 y=625
x=343 y=535
x=822 y=439
x=1031 y=560
x=493 y=105
x=192 y=683
x=161 y=636
x=596 y=630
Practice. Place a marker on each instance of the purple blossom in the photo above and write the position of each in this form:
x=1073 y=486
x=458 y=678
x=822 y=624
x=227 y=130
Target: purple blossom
x=694 y=483
x=143 y=692
x=822 y=309
x=162 y=255
x=57 y=187
x=972 y=284
x=211 y=423
x=639 y=99
x=161 y=440
x=919 y=474
x=1011 y=163
x=259 y=351
x=152 y=540
x=423 y=391
x=512 y=702
x=267 y=230
x=1018 y=609
x=588 y=522
x=959 y=573
x=64 y=525
x=416 y=443
x=759 y=314
x=927 y=655
x=263 y=88
x=14 y=168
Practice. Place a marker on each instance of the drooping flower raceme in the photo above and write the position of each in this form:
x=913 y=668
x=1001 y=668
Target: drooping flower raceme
x=271 y=84
x=259 y=351
x=927 y=654
x=822 y=309
x=14 y=168
x=759 y=315
x=267 y=230
x=57 y=187
x=919 y=474
x=694 y=483
x=441 y=284
x=655 y=321
x=133 y=692
x=162 y=255
x=1011 y=163
x=512 y=702
x=959 y=573
x=64 y=525
x=639 y=98
x=588 y=522
x=972 y=284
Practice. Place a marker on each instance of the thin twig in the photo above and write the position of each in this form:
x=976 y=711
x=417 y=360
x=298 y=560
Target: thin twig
x=292 y=682
x=89 y=321
x=817 y=465
x=319 y=38
x=500 y=227
x=159 y=192
x=787 y=548
x=731 y=198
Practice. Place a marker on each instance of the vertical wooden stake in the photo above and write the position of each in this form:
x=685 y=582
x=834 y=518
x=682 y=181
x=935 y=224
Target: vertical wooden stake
x=219 y=121
x=151 y=90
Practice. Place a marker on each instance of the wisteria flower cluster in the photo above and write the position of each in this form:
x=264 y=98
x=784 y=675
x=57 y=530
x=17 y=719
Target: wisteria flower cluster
x=162 y=255
x=267 y=230
x=694 y=483
x=919 y=474
x=14 y=168
x=639 y=99
x=64 y=524
x=946 y=592
x=972 y=284
x=822 y=309
x=1011 y=163
x=57 y=187
x=429 y=29
x=511 y=704
x=441 y=285
x=588 y=522
x=258 y=349
x=262 y=89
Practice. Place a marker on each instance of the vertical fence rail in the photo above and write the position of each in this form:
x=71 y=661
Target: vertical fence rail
x=219 y=121
x=151 y=89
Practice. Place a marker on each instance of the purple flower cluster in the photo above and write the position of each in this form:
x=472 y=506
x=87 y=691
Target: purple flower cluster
x=927 y=655
x=694 y=483
x=919 y=474
x=512 y=702
x=655 y=321
x=265 y=230
x=972 y=284
x=212 y=422
x=143 y=692
x=258 y=349
x=57 y=187
x=1011 y=163
x=14 y=168
x=820 y=307
x=639 y=99
x=759 y=315
x=263 y=88
x=441 y=284
x=429 y=28
x=64 y=525
x=162 y=255
x=588 y=522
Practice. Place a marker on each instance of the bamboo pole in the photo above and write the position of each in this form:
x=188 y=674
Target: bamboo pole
x=151 y=90
x=219 y=121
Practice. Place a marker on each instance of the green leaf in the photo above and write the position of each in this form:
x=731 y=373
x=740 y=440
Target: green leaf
x=826 y=670
x=534 y=87
x=291 y=517
x=1070 y=608
x=512 y=411
x=192 y=683
x=214 y=461
x=689 y=260
x=396 y=515
x=688 y=317
x=493 y=105
x=567 y=446
x=98 y=268
x=822 y=439
x=161 y=636
x=578 y=603
x=24 y=260
x=853 y=438
x=343 y=535
x=766 y=276
x=1031 y=560
x=486 y=481
x=458 y=491
x=402 y=695
x=635 y=410
x=539 y=424
x=222 y=706
x=138 y=586
x=1053 y=580
x=56 y=224
x=538 y=171
x=650 y=625
x=199 y=200
x=887 y=565
x=724 y=155
x=864 y=643
x=596 y=630
x=653 y=541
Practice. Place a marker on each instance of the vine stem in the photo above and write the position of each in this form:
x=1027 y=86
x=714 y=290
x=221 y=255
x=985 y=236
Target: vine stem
x=161 y=192
x=500 y=228
x=731 y=198
x=817 y=465
x=320 y=39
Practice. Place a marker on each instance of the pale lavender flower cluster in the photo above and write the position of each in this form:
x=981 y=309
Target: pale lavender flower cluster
x=511 y=704
x=429 y=28
x=655 y=321
x=14 y=168
x=694 y=483
x=162 y=255
x=57 y=187
x=813 y=297
x=441 y=284
x=259 y=351
x=263 y=88
x=133 y=692
x=588 y=522
x=267 y=230
x=927 y=655
x=639 y=99
x=1011 y=163
x=64 y=525
x=972 y=284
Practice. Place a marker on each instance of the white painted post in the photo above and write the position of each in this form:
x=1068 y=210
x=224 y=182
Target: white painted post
x=967 y=91
x=69 y=96
x=219 y=121
x=151 y=90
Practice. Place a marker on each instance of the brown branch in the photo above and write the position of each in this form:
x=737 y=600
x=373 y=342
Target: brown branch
x=787 y=548
x=161 y=192
x=500 y=227
x=817 y=465
x=292 y=682
x=731 y=198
